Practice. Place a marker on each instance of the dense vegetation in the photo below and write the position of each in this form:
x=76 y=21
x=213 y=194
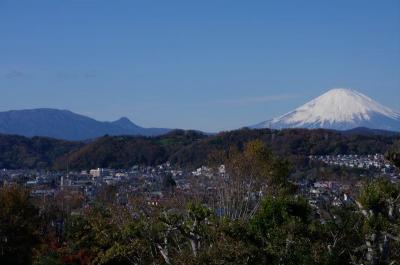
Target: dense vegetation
x=126 y=151
x=37 y=152
x=294 y=144
x=194 y=149
x=184 y=148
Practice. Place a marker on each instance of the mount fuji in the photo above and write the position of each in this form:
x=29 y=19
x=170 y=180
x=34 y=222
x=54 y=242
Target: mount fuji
x=338 y=109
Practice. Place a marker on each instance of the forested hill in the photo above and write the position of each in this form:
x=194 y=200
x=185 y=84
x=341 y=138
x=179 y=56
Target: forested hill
x=294 y=144
x=185 y=148
x=126 y=151
x=37 y=152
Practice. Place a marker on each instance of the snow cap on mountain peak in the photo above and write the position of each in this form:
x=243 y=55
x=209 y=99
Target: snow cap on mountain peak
x=338 y=108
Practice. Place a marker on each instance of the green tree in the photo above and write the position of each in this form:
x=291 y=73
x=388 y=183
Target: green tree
x=379 y=202
x=283 y=227
x=132 y=246
x=339 y=238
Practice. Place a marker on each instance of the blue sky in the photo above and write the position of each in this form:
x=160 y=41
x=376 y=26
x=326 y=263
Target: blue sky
x=209 y=65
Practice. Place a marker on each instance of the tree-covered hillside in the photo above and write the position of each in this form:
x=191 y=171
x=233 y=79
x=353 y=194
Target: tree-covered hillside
x=183 y=148
x=37 y=152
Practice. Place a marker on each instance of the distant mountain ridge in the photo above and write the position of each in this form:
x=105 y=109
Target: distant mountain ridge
x=338 y=109
x=67 y=125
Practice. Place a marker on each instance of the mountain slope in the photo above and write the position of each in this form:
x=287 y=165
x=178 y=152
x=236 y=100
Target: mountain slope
x=64 y=124
x=338 y=109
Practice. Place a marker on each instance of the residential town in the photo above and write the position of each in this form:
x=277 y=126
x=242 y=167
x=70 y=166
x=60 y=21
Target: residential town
x=155 y=183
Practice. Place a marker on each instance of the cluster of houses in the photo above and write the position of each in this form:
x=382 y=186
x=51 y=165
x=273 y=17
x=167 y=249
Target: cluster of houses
x=323 y=193
x=153 y=183
x=142 y=181
x=88 y=184
x=376 y=161
x=208 y=172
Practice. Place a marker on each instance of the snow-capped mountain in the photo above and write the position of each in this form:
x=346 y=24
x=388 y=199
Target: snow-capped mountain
x=338 y=109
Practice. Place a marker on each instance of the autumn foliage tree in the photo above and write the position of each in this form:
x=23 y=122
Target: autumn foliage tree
x=250 y=175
